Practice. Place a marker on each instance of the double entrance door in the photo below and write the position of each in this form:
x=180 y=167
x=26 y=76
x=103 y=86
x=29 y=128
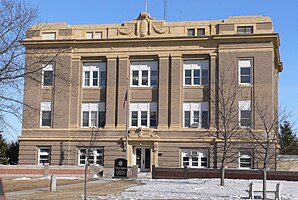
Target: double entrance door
x=143 y=158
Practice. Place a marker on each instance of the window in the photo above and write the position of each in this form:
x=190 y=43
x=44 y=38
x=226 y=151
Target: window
x=47 y=74
x=196 y=72
x=98 y=35
x=245 y=114
x=200 y=32
x=89 y=35
x=195 y=158
x=143 y=114
x=94 y=74
x=95 y=156
x=144 y=74
x=44 y=155
x=245 y=160
x=48 y=36
x=92 y=35
x=46 y=114
x=191 y=32
x=244 y=29
x=196 y=115
x=245 y=67
x=196 y=32
x=93 y=114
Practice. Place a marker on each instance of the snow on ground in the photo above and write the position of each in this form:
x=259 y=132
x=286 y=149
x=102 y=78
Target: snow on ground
x=202 y=189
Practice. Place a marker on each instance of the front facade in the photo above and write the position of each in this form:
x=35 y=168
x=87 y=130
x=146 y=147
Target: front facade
x=171 y=70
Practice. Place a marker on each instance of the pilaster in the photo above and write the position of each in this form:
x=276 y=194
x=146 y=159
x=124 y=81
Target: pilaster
x=123 y=74
x=176 y=91
x=111 y=92
x=163 y=92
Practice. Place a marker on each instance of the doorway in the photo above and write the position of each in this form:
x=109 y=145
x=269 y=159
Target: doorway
x=143 y=158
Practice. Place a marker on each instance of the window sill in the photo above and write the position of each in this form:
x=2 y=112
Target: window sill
x=245 y=84
x=195 y=86
x=45 y=127
x=47 y=87
x=93 y=87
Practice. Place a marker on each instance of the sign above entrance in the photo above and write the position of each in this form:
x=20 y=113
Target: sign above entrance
x=120 y=168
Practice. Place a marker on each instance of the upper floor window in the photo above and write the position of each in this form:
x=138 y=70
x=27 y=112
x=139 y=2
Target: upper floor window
x=200 y=32
x=196 y=115
x=191 y=32
x=46 y=114
x=94 y=74
x=195 y=158
x=144 y=73
x=48 y=36
x=44 y=155
x=245 y=160
x=97 y=35
x=196 y=32
x=143 y=114
x=93 y=35
x=196 y=72
x=95 y=156
x=245 y=29
x=89 y=35
x=93 y=114
x=47 y=74
x=245 y=114
x=245 y=69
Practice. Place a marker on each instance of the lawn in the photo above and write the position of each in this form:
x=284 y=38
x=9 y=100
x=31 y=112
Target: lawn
x=94 y=188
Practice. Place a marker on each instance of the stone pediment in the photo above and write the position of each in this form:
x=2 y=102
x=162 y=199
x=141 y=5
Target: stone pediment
x=144 y=26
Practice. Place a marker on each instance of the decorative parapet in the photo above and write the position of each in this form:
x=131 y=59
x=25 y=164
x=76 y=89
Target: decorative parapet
x=143 y=26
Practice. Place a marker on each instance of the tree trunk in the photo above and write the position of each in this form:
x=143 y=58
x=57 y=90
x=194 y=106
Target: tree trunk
x=222 y=175
x=264 y=183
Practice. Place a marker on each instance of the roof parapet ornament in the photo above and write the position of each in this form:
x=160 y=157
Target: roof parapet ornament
x=144 y=26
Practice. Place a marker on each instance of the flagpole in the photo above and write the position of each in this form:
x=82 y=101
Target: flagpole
x=126 y=124
x=146 y=6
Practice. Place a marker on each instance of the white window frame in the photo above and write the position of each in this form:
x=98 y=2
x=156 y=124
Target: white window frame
x=245 y=106
x=93 y=153
x=89 y=35
x=92 y=107
x=42 y=153
x=45 y=106
x=98 y=35
x=139 y=107
x=199 y=154
x=47 y=67
x=245 y=63
x=92 y=67
x=140 y=67
x=48 y=36
x=192 y=107
x=196 y=65
x=245 y=155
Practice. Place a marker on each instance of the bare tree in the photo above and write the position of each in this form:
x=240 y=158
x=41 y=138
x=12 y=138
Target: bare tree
x=224 y=100
x=266 y=141
x=15 y=18
x=16 y=25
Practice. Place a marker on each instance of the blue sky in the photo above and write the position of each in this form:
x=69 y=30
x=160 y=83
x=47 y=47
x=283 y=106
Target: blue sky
x=284 y=15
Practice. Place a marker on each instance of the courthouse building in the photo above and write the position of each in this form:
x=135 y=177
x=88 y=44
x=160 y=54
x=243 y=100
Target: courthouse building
x=76 y=100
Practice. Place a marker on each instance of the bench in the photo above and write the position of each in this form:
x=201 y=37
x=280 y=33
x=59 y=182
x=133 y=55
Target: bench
x=270 y=188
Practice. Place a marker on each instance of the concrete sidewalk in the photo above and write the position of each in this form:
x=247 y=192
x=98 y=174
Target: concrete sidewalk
x=23 y=192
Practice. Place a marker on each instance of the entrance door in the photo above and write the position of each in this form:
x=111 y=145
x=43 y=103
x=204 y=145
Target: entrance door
x=143 y=157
